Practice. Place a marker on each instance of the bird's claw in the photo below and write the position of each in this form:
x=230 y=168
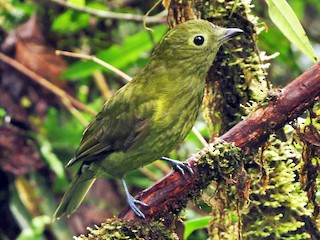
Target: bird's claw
x=132 y=204
x=179 y=166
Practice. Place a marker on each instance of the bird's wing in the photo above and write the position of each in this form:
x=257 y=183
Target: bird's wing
x=120 y=126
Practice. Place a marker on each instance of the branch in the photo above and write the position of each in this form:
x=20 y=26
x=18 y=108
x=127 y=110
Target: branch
x=172 y=192
x=69 y=101
x=126 y=78
x=159 y=18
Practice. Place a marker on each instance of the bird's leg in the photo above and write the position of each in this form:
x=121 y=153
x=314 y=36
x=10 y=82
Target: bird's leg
x=178 y=166
x=132 y=202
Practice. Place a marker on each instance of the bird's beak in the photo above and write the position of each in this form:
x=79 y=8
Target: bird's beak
x=230 y=33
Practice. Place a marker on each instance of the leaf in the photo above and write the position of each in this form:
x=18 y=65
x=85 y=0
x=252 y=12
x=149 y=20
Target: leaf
x=58 y=126
x=286 y=20
x=118 y=56
x=33 y=53
x=54 y=163
x=65 y=22
x=192 y=225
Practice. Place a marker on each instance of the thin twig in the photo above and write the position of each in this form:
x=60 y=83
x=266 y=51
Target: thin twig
x=65 y=97
x=147 y=15
x=74 y=112
x=149 y=174
x=159 y=18
x=121 y=74
x=102 y=84
x=163 y=167
x=199 y=136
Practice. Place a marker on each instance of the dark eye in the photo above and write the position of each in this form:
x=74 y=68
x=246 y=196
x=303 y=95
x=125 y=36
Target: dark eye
x=198 y=40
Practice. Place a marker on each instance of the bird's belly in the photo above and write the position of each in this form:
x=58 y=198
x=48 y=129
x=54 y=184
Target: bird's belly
x=162 y=138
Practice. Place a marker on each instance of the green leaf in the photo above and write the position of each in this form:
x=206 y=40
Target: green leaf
x=54 y=163
x=70 y=22
x=118 y=56
x=286 y=20
x=195 y=224
x=63 y=132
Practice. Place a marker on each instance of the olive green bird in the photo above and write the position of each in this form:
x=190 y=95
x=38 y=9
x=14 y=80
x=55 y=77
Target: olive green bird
x=149 y=116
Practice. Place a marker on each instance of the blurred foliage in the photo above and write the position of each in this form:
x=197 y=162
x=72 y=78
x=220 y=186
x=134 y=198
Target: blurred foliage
x=291 y=62
x=286 y=20
x=120 y=56
x=28 y=198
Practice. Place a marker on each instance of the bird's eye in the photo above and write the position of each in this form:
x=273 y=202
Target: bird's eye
x=198 y=40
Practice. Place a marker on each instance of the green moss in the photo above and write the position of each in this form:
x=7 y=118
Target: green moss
x=223 y=165
x=277 y=208
x=128 y=229
x=218 y=162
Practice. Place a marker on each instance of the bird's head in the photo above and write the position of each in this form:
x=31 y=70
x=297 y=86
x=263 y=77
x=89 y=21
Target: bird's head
x=195 y=39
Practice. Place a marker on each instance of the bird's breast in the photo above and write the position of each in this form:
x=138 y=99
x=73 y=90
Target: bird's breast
x=175 y=117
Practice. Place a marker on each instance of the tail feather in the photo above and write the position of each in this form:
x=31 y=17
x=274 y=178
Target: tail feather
x=74 y=195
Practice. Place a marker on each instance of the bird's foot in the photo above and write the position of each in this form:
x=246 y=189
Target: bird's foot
x=132 y=202
x=178 y=166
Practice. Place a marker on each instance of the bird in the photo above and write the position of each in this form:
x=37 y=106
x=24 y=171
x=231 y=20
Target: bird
x=150 y=115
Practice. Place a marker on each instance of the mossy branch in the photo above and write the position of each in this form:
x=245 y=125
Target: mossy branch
x=169 y=196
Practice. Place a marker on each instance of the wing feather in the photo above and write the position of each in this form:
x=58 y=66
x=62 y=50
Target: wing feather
x=120 y=126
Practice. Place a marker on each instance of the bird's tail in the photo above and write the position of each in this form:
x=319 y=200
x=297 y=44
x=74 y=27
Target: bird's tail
x=76 y=192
